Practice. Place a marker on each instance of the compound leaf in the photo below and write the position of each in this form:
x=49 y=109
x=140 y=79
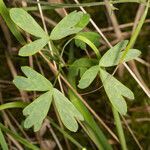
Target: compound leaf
x=67 y=111
x=33 y=82
x=88 y=77
x=92 y=36
x=115 y=91
x=71 y=24
x=33 y=47
x=26 y=22
x=37 y=111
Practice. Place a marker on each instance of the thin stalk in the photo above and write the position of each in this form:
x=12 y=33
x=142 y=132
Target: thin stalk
x=54 y=6
x=92 y=4
x=65 y=134
x=55 y=137
x=119 y=129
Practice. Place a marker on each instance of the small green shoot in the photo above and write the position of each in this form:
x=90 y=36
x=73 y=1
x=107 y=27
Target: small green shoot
x=115 y=89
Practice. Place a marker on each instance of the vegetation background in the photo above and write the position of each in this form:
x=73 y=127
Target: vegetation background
x=117 y=22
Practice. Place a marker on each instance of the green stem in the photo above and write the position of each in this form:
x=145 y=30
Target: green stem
x=59 y=5
x=119 y=129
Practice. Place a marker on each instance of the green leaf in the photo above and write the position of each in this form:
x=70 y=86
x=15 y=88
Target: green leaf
x=81 y=65
x=115 y=91
x=113 y=56
x=33 y=82
x=67 y=111
x=33 y=47
x=37 y=111
x=92 y=36
x=71 y=24
x=26 y=22
x=88 y=77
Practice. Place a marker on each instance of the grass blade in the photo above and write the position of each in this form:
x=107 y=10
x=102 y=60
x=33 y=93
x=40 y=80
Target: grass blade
x=19 y=138
x=89 y=43
x=13 y=105
x=5 y=14
x=2 y=141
